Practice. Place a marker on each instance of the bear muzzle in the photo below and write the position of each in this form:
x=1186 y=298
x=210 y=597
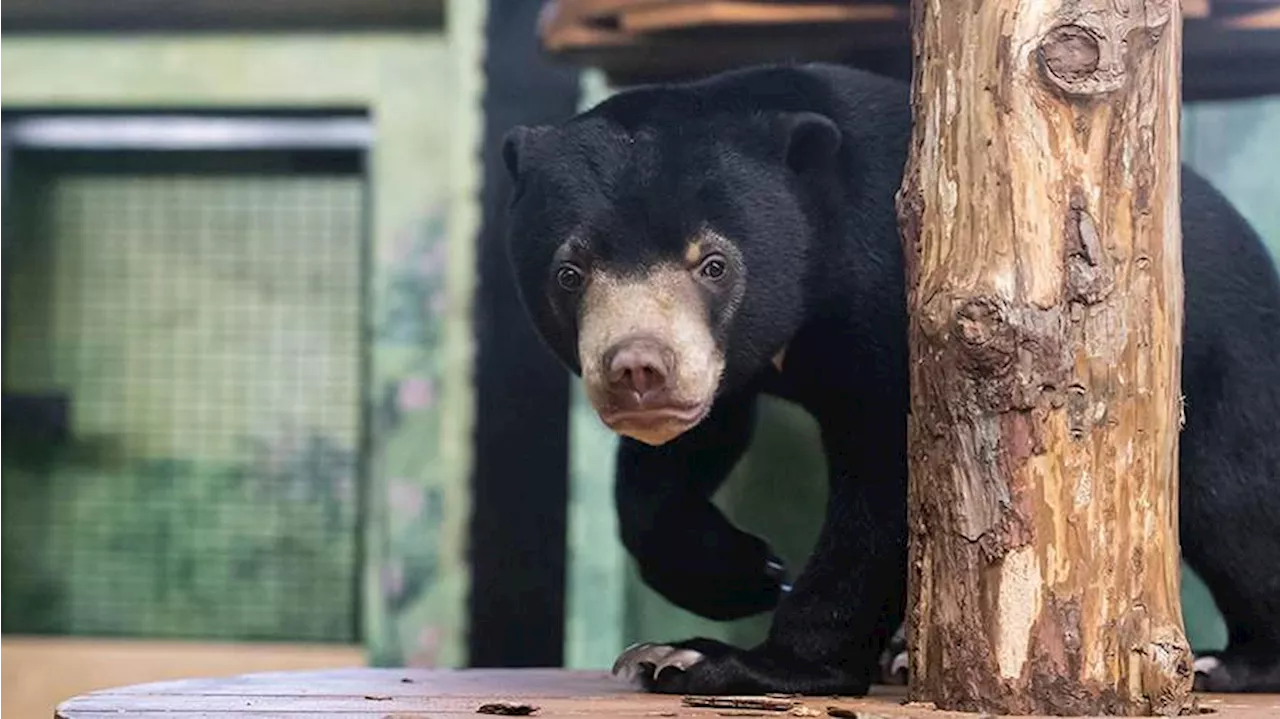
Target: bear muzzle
x=639 y=402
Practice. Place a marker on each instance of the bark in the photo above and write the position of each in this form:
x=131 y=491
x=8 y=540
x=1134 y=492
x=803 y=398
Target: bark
x=1041 y=229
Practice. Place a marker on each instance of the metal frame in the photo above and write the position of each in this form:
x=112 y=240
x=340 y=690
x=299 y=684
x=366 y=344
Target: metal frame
x=168 y=132
x=220 y=15
x=23 y=132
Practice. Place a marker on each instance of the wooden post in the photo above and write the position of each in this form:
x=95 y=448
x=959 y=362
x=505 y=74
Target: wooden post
x=1040 y=214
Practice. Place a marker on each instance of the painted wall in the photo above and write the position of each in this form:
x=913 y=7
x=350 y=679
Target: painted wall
x=421 y=91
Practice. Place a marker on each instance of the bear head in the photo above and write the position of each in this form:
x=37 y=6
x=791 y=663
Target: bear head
x=661 y=243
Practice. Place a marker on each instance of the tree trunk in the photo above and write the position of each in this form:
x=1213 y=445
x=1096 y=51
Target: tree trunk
x=1041 y=227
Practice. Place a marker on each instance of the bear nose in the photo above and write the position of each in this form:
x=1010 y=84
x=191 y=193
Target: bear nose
x=638 y=369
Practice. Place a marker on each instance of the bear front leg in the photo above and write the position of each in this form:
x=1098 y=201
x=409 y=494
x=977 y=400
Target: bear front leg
x=685 y=548
x=828 y=632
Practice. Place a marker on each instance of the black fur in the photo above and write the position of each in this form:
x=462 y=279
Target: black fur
x=798 y=165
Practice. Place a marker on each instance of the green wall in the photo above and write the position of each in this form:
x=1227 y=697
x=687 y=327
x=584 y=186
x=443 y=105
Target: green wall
x=421 y=91
x=206 y=332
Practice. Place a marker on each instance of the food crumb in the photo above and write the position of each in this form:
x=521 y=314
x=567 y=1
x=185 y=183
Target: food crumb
x=507 y=709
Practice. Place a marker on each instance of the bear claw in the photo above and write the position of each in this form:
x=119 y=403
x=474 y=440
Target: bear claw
x=1206 y=665
x=899 y=666
x=776 y=570
x=631 y=661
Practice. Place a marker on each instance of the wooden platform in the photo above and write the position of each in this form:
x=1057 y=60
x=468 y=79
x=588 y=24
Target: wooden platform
x=44 y=670
x=1231 y=48
x=404 y=693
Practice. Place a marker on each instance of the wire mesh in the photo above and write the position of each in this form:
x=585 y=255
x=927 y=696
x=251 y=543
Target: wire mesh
x=204 y=330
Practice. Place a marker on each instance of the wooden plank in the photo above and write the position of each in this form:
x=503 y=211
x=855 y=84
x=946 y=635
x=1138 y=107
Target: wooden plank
x=43 y=671
x=541 y=683
x=567 y=25
x=1266 y=19
x=702 y=13
x=410 y=692
x=1195 y=8
x=703 y=50
x=600 y=9
x=1220 y=62
x=660 y=15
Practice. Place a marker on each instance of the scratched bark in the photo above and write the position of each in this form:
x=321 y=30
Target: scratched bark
x=1040 y=216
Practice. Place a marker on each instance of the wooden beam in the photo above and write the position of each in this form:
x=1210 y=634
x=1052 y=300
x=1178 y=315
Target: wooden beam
x=1045 y=288
x=566 y=26
x=598 y=9
x=650 y=17
x=1228 y=51
x=1266 y=19
x=1195 y=8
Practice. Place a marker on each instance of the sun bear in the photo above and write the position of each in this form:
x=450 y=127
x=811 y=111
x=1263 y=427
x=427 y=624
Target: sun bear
x=686 y=247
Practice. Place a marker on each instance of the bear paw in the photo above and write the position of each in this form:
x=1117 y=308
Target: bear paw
x=707 y=666
x=894 y=659
x=1231 y=672
x=894 y=669
x=646 y=661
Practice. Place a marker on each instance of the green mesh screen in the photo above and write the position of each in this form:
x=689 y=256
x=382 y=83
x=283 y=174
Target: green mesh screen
x=203 y=330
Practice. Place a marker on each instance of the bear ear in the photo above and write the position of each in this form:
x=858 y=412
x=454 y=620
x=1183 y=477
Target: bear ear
x=514 y=145
x=808 y=139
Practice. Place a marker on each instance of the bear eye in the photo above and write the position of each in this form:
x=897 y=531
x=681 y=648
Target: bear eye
x=713 y=267
x=569 y=278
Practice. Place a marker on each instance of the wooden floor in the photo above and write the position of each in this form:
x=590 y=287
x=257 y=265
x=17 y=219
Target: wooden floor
x=39 y=672
x=544 y=693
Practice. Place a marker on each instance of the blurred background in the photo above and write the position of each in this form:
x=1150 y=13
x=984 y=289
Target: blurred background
x=270 y=400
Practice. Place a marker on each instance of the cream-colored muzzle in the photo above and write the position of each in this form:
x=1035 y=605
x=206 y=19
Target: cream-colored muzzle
x=664 y=305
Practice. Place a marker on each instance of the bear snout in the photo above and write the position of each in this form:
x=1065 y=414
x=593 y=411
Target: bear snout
x=637 y=371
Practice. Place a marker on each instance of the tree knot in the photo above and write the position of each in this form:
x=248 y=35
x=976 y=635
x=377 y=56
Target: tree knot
x=1087 y=55
x=1079 y=62
x=1070 y=53
x=1090 y=277
x=986 y=337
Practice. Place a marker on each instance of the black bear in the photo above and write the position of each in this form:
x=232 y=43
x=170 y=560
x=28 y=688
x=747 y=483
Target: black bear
x=686 y=247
